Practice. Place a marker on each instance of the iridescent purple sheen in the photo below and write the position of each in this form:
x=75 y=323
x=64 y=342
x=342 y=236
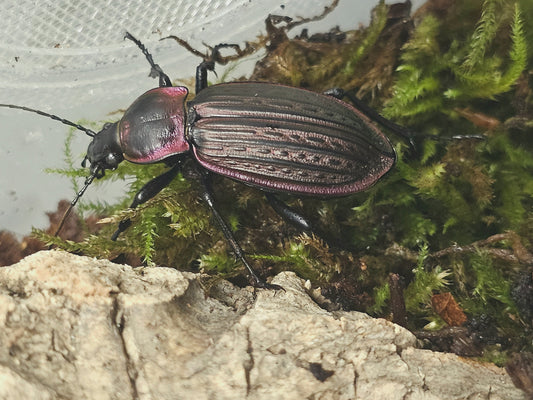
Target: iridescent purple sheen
x=153 y=127
x=284 y=139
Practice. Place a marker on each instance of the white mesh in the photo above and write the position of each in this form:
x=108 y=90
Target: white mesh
x=66 y=43
x=54 y=31
x=97 y=24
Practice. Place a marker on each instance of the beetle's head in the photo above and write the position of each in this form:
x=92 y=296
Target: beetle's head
x=104 y=151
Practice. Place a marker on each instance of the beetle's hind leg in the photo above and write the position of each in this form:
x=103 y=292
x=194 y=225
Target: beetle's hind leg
x=402 y=131
x=339 y=93
x=288 y=213
x=156 y=71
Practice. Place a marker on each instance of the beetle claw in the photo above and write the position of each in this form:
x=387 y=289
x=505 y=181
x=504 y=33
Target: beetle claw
x=260 y=284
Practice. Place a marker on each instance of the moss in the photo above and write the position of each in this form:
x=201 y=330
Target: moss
x=440 y=72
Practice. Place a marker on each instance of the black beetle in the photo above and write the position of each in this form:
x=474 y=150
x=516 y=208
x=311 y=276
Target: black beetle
x=274 y=137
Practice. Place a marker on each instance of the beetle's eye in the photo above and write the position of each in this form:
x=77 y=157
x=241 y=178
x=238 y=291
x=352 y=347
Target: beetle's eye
x=111 y=160
x=107 y=125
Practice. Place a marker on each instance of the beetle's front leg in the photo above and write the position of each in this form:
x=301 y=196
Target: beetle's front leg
x=201 y=70
x=148 y=191
x=209 y=63
x=201 y=75
x=215 y=57
x=207 y=196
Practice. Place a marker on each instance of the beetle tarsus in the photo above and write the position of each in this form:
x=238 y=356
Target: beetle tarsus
x=269 y=286
x=259 y=283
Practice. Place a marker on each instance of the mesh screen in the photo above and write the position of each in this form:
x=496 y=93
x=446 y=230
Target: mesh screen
x=45 y=42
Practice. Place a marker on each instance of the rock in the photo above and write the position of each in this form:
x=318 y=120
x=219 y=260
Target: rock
x=80 y=328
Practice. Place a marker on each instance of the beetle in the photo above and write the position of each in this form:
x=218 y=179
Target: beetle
x=277 y=138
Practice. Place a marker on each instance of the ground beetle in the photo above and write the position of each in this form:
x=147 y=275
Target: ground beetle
x=273 y=137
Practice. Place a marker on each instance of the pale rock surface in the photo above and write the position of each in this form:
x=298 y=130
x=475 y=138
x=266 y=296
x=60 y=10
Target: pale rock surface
x=77 y=328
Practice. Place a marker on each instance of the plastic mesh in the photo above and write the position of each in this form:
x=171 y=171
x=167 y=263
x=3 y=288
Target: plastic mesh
x=53 y=37
x=66 y=34
x=64 y=23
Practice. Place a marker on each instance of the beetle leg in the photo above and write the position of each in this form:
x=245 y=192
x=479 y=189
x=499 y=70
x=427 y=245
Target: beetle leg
x=209 y=62
x=156 y=71
x=201 y=74
x=215 y=57
x=339 y=93
x=148 y=191
x=288 y=213
x=207 y=196
x=300 y=222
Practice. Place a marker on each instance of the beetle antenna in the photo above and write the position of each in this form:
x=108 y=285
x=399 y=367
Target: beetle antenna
x=88 y=181
x=164 y=80
x=54 y=117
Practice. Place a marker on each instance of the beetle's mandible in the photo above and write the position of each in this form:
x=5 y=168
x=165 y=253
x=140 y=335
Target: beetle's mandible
x=273 y=137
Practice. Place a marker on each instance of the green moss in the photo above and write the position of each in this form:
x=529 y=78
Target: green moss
x=218 y=260
x=490 y=282
x=369 y=39
x=425 y=283
x=435 y=75
x=381 y=297
x=308 y=256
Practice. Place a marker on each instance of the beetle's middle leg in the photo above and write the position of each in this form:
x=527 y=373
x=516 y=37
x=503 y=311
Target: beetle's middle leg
x=208 y=197
x=148 y=191
x=300 y=222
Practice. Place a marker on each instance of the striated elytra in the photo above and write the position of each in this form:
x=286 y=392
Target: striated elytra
x=286 y=139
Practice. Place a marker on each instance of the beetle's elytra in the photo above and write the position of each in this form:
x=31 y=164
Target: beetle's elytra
x=286 y=139
x=273 y=137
